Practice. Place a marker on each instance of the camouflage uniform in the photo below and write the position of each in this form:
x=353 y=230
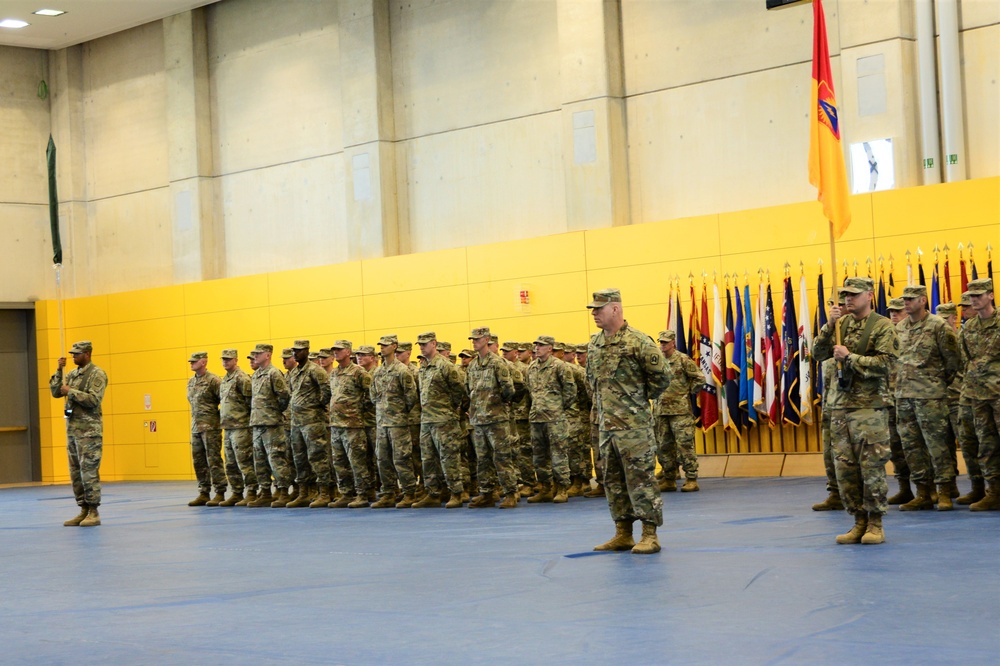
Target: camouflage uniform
x=413 y=418
x=553 y=395
x=626 y=371
x=235 y=395
x=858 y=420
x=980 y=348
x=900 y=469
x=206 y=431
x=84 y=426
x=520 y=410
x=441 y=396
x=270 y=398
x=927 y=363
x=674 y=421
x=830 y=389
x=349 y=386
x=368 y=415
x=310 y=399
x=394 y=393
x=467 y=458
x=491 y=389
x=578 y=422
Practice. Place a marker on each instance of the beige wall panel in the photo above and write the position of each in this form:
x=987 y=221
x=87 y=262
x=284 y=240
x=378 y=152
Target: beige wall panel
x=286 y=216
x=26 y=252
x=125 y=113
x=25 y=122
x=720 y=146
x=981 y=87
x=459 y=64
x=275 y=84
x=863 y=21
x=977 y=13
x=498 y=182
x=132 y=241
x=680 y=42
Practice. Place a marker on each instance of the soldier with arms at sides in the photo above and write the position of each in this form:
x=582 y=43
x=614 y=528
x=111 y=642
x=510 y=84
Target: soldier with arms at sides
x=206 y=432
x=674 y=421
x=235 y=394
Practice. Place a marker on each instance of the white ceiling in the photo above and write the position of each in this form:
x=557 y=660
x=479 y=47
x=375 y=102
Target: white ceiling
x=84 y=19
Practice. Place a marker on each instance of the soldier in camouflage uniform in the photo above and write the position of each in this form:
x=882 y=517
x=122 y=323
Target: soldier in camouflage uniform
x=578 y=420
x=84 y=391
x=927 y=363
x=980 y=347
x=235 y=394
x=519 y=419
x=467 y=462
x=310 y=389
x=491 y=391
x=403 y=353
x=858 y=419
x=594 y=432
x=828 y=368
x=269 y=400
x=900 y=469
x=365 y=357
x=626 y=371
x=674 y=421
x=520 y=390
x=553 y=395
x=206 y=433
x=350 y=384
x=289 y=363
x=394 y=393
x=442 y=394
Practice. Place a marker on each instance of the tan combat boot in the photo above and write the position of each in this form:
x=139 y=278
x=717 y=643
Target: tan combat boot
x=598 y=491
x=509 y=501
x=359 y=502
x=293 y=492
x=831 y=503
x=251 y=496
x=991 y=501
x=281 y=499
x=977 y=493
x=690 y=486
x=341 y=502
x=73 y=522
x=429 y=501
x=904 y=495
x=525 y=489
x=544 y=494
x=575 y=489
x=953 y=489
x=922 y=501
x=668 y=485
x=486 y=500
x=232 y=500
x=622 y=540
x=559 y=494
x=874 y=533
x=649 y=544
x=944 y=497
x=200 y=500
x=302 y=499
x=93 y=518
x=322 y=500
x=455 y=502
x=387 y=501
x=405 y=502
x=856 y=532
x=263 y=499
x=217 y=500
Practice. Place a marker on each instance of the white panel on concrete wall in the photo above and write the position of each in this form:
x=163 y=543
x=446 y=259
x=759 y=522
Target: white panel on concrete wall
x=871 y=85
x=502 y=181
x=131 y=243
x=286 y=216
x=24 y=119
x=125 y=112
x=275 y=83
x=725 y=145
x=981 y=88
x=459 y=64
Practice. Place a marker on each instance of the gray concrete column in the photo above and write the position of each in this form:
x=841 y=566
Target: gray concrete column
x=593 y=107
x=198 y=236
x=368 y=127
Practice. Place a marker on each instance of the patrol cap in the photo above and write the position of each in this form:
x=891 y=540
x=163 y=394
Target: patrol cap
x=300 y=344
x=262 y=347
x=980 y=287
x=562 y=346
x=466 y=353
x=313 y=356
x=388 y=340
x=569 y=349
x=421 y=357
x=287 y=352
x=481 y=332
x=914 y=291
x=524 y=346
x=605 y=296
x=581 y=349
x=966 y=302
x=325 y=352
x=947 y=309
x=494 y=339
x=197 y=356
x=509 y=346
x=404 y=347
x=667 y=336
x=229 y=353
x=545 y=340
x=857 y=285
x=81 y=347
x=342 y=344
x=895 y=304
x=366 y=349
x=251 y=356
x=424 y=338
x=443 y=346
x=452 y=357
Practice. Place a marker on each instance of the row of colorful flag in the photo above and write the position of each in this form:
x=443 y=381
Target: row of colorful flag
x=758 y=367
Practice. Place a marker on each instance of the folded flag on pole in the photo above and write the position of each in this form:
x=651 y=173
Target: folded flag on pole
x=718 y=356
x=709 y=397
x=50 y=159
x=789 y=357
x=820 y=323
x=826 y=157
x=935 y=294
x=759 y=357
x=805 y=354
x=881 y=303
x=772 y=361
x=746 y=376
x=733 y=346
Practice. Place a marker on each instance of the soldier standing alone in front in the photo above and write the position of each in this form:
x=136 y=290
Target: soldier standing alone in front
x=626 y=371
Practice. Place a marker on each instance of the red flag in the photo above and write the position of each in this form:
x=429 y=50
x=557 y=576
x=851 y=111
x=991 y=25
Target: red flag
x=947 y=281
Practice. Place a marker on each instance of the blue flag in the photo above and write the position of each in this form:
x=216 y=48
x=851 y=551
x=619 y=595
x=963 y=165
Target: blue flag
x=789 y=358
x=734 y=359
x=935 y=296
x=881 y=304
x=746 y=377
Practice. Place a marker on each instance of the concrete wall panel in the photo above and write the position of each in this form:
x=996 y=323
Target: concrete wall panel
x=981 y=88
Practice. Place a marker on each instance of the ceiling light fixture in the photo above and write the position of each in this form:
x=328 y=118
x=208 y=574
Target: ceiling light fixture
x=13 y=23
x=49 y=12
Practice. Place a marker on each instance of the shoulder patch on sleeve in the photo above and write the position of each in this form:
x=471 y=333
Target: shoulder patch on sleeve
x=654 y=359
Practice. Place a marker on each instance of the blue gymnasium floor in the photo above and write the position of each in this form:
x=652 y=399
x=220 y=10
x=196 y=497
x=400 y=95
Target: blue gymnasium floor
x=748 y=575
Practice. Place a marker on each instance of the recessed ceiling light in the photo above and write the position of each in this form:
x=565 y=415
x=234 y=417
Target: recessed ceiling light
x=13 y=23
x=49 y=12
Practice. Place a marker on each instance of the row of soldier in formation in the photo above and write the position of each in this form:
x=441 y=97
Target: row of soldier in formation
x=347 y=427
x=906 y=389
